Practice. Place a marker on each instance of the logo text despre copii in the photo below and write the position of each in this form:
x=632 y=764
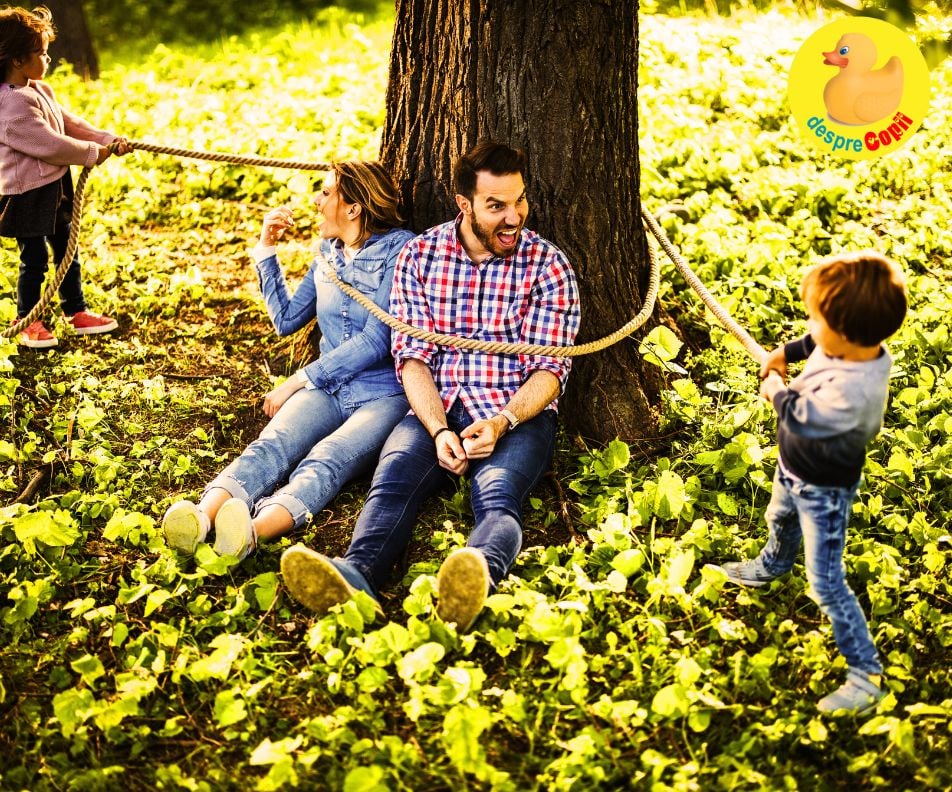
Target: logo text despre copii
x=873 y=140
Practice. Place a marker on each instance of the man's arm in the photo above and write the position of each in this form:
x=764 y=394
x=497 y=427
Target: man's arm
x=533 y=396
x=426 y=403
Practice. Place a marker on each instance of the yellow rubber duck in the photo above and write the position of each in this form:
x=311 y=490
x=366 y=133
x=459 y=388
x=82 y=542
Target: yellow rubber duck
x=857 y=94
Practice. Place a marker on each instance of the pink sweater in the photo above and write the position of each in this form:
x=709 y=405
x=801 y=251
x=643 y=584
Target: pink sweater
x=39 y=139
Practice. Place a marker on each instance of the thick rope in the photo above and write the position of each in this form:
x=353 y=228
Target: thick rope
x=500 y=347
x=750 y=345
x=755 y=350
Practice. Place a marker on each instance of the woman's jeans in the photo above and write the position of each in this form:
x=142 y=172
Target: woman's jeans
x=34 y=261
x=317 y=444
x=408 y=472
x=819 y=515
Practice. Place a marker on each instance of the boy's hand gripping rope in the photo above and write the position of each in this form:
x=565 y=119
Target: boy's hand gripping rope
x=750 y=345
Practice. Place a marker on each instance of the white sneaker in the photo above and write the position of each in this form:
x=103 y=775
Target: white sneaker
x=462 y=586
x=234 y=531
x=184 y=526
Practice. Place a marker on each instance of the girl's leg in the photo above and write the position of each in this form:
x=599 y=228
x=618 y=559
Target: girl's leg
x=71 y=289
x=34 y=258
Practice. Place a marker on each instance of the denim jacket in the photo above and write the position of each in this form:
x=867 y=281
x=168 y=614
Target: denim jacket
x=355 y=347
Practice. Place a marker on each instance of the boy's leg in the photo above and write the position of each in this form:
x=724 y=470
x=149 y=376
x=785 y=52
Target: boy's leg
x=824 y=514
x=783 y=540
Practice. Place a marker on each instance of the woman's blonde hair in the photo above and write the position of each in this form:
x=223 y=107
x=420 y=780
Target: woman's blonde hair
x=369 y=184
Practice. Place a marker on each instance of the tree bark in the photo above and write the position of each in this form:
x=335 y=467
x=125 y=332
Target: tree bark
x=73 y=43
x=559 y=79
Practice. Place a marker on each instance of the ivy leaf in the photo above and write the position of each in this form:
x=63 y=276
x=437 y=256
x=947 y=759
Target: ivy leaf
x=462 y=727
x=660 y=347
x=671 y=701
x=216 y=665
x=365 y=779
x=54 y=529
x=229 y=708
x=71 y=708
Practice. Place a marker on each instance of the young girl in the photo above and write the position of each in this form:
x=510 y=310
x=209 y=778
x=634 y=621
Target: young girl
x=38 y=142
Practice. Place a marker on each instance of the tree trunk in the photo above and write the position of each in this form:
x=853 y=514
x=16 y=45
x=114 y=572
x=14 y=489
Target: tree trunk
x=559 y=79
x=73 y=43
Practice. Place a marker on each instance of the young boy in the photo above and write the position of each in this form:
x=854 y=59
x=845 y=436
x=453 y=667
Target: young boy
x=826 y=416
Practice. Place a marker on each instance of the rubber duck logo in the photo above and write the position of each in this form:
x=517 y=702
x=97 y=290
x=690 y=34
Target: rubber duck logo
x=871 y=105
x=860 y=94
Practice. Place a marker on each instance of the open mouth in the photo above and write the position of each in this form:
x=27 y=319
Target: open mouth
x=507 y=237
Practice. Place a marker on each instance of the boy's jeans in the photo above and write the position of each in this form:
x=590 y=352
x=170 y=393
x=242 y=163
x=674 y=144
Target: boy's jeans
x=819 y=515
x=409 y=471
x=317 y=444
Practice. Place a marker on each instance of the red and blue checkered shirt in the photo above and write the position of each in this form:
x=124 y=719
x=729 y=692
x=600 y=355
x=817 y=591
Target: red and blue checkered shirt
x=529 y=297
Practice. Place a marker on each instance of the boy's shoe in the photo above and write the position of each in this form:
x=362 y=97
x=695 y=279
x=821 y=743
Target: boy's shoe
x=184 y=526
x=462 y=585
x=234 y=531
x=37 y=336
x=858 y=695
x=318 y=582
x=88 y=323
x=748 y=573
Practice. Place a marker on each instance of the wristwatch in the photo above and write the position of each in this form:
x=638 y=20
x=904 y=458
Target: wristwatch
x=510 y=417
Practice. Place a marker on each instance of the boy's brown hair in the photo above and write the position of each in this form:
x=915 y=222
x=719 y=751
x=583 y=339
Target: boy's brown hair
x=862 y=295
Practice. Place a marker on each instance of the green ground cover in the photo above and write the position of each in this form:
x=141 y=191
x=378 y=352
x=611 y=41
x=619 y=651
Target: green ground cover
x=619 y=661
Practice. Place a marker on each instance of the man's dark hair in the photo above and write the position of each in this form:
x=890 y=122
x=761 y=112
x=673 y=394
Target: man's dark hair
x=497 y=158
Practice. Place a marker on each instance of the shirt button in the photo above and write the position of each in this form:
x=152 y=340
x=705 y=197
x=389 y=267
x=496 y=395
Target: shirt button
x=346 y=335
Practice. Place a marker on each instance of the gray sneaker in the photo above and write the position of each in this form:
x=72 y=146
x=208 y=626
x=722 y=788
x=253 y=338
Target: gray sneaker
x=315 y=581
x=234 y=531
x=747 y=573
x=858 y=695
x=184 y=526
x=462 y=586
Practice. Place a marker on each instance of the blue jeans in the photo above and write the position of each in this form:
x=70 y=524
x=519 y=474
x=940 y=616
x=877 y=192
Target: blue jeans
x=315 y=442
x=819 y=515
x=34 y=261
x=409 y=472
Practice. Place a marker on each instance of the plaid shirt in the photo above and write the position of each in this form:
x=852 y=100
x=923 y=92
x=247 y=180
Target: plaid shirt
x=530 y=297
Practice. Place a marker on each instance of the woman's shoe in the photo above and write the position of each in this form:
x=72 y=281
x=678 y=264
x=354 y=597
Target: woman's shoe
x=184 y=526
x=234 y=531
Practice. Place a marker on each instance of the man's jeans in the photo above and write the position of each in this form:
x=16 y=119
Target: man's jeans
x=317 y=441
x=34 y=261
x=820 y=515
x=408 y=472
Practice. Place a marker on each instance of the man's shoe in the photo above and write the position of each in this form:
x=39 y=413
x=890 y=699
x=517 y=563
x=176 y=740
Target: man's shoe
x=858 y=695
x=37 y=336
x=747 y=573
x=88 y=323
x=184 y=526
x=462 y=585
x=234 y=531
x=314 y=580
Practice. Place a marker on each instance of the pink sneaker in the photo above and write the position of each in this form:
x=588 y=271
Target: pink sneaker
x=88 y=323
x=37 y=336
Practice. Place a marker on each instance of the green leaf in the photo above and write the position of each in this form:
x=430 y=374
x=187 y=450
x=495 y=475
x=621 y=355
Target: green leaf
x=462 y=727
x=671 y=701
x=421 y=662
x=660 y=347
x=218 y=663
x=90 y=668
x=365 y=779
x=71 y=708
x=52 y=528
x=229 y=708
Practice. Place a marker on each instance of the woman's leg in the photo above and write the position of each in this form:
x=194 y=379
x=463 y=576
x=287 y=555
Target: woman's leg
x=348 y=451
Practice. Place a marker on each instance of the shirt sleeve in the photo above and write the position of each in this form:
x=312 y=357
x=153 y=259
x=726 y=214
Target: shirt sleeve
x=363 y=349
x=825 y=410
x=800 y=349
x=288 y=312
x=30 y=132
x=552 y=319
x=408 y=304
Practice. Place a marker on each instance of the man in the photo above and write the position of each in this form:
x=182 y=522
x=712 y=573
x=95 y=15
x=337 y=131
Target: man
x=489 y=415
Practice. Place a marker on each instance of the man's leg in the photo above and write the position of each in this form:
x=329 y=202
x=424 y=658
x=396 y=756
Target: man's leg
x=407 y=473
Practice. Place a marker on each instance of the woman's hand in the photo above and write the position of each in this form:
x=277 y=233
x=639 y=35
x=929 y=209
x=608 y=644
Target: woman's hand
x=276 y=222
x=277 y=397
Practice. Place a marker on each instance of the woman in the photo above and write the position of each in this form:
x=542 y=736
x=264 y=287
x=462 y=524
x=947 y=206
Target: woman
x=330 y=419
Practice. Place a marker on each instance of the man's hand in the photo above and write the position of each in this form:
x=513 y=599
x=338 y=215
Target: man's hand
x=776 y=360
x=450 y=453
x=480 y=437
x=277 y=397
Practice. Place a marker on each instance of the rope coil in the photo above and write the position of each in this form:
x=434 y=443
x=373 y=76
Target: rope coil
x=750 y=345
